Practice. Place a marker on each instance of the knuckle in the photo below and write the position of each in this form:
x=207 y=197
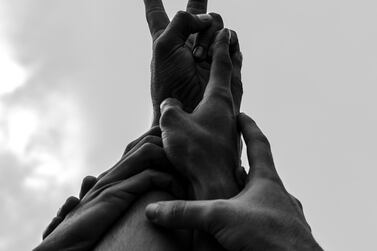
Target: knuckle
x=218 y=20
x=149 y=139
x=183 y=15
x=298 y=202
x=129 y=147
x=262 y=140
x=148 y=149
x=217 y=210
x=169 y=114
x=71 y=200
x=223 y=94
x=177 y=210
x=224 y=61
x=161 y=44
x=150 y=174
x=88 y=179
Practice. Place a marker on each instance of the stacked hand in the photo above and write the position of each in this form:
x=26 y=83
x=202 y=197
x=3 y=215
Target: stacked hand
x=263 y=216
x=204 y=145
x=81 y=223
x=196 y=93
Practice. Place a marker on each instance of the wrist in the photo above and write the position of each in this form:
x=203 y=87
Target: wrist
x=214 y=186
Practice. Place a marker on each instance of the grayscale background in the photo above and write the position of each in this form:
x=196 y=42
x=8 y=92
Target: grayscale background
x=74 y=90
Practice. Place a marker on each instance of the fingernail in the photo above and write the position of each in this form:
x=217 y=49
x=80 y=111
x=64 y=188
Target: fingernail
x=229 y=35
x=198 y=52
x=163 y=104
x=151 y=211
x=204 y=17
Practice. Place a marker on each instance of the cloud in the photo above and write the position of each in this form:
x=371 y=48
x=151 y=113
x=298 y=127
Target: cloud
x=42 y=142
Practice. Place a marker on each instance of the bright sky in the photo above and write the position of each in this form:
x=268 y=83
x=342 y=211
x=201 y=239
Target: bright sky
x=74 y=91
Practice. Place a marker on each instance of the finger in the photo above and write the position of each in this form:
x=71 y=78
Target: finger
x=154 y=131
x=241 y=176
x=51 y=227
x=157 y=18
x=156 y=140
x=204 y=39
x=236 y=57
x=180 y=28
x=197 y=6
x=221 y=68
x=143 y=182
x=87 y=183
x=69 y=204
x=171 y=112
x=147 y=156
x=258 y=149
x=181 y=214
x=153 y=136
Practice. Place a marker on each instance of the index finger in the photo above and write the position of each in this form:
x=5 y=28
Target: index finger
x=221 y=68
x=197 y=6
x=156 y=17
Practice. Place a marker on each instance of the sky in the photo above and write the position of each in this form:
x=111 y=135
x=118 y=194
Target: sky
x=74 y=91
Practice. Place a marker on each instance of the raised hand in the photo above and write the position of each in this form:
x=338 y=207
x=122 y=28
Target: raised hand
x=264 y=216
x=85 y=221
x=180 y=64
x=204 y=145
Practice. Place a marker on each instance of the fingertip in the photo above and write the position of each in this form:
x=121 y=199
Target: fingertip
x=69 y=204
x=241 y=117
x=199 y=53
x=169 y=102
x=151 y=212
x=205 y=18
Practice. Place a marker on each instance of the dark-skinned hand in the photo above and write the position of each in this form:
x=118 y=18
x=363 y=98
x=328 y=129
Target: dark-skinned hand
x=263 y=216
x=153 y=136
x=181 y=61
x=85 y=221
x=204 y=146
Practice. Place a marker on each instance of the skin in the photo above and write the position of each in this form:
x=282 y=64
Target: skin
x=204 y=145
x=263 y=216
x=181 y=60
x=135 y=233
x=217 y=108
x=110 y=197
x=174 y=41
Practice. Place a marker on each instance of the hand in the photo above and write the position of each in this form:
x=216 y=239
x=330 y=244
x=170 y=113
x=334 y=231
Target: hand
x=110 y=197
x=180 y=64
x=153 y=136
x=87 y=184
x=264 y=216
x=204 y=145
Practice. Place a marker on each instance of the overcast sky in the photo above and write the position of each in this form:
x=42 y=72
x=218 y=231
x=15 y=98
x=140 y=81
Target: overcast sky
x=74 y=91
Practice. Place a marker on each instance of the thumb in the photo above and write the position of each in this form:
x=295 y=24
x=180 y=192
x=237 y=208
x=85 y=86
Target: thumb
x=182 y=214
x=171 y=112
x=182 y=26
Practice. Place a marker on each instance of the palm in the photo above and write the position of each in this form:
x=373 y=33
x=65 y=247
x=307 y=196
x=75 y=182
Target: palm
x=179 y=76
